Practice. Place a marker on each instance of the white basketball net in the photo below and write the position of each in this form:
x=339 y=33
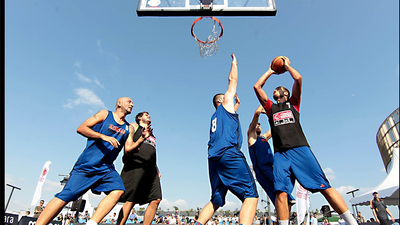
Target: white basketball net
x=207 y=48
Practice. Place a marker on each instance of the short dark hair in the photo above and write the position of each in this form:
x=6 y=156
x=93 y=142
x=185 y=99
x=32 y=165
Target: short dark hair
x=215 y=103
x=374 y=193
x=139 y=115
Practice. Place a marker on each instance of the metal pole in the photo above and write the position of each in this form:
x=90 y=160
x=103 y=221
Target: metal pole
x=356 y=210
x=355 y=214
x=269 y=210
x=12 y=191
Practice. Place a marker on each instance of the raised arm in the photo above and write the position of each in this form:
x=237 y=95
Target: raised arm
x=298 y=79
x=260 y=93
x=131 y=145
x=237 y=104
x=228 y=102
x=267 y=135
x=251 y=132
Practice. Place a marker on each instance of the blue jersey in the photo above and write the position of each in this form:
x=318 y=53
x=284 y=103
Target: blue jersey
x=260 y=153
x=99 y=155
x=225 y=133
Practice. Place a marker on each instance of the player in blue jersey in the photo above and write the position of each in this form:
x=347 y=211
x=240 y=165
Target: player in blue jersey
x=293 y=158
x=262 y=157
x=107 y=133
x=228 y=169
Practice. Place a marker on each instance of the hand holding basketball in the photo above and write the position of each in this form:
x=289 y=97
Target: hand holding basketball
x=278 y=64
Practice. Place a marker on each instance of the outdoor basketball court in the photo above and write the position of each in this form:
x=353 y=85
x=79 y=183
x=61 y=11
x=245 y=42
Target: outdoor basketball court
x=206 y=13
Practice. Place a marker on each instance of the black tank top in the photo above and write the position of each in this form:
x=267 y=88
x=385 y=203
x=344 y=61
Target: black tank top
x=144 y=155
x=286 y=130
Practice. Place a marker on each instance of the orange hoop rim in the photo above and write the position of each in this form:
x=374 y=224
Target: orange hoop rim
x=208 y=42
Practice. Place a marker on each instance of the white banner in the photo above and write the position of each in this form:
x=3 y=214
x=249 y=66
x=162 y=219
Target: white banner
x=42 y=178
x=302 y=204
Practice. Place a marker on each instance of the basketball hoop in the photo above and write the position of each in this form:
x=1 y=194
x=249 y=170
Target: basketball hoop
x=209 y=46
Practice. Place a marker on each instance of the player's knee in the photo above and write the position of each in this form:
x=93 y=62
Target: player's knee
x=117 y=193
x=157 y=201
x=281 y=195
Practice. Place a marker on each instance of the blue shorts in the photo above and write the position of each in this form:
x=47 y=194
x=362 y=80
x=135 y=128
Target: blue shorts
x=262 y=165
x=79 y=183
x=298 y=164
x=265 y=177
x=231 y=172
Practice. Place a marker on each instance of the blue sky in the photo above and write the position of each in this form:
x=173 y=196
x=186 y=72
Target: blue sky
x=66 y=60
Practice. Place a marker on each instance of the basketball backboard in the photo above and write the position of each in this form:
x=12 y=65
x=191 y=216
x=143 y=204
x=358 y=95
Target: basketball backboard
x=195 y=8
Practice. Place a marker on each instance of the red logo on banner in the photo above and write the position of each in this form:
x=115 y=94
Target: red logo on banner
x=43 y=175
x=44 y=172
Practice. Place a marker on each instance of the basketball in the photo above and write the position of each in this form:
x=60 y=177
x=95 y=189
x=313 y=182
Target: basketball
x=277 y=65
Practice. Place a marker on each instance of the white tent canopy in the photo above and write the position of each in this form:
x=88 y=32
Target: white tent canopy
x=388 y=189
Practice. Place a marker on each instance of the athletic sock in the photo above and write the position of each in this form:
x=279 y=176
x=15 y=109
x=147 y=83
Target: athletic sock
x=283 y=222
x=350 y=220
x=198 y=223
x=91 y=222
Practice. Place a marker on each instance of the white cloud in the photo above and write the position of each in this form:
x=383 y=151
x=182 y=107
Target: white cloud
x=77 y=64
x=180 y=203
x=97 y=82
x=344 y=189
x=110 y=54
x=86 y=79
x=330 y=174
x=98 y=43
x=115 y=57
x=85 y=97
x=83 y=77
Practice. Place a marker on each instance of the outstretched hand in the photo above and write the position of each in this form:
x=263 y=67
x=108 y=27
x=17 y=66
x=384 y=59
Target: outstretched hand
x=146 y=132
x=234 y=58
x=260 y=110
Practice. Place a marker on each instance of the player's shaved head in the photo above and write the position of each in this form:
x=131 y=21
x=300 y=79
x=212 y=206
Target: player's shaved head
x=120 y=100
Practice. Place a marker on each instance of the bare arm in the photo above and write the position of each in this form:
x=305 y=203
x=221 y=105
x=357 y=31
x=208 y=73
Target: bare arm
x=388 y=212
x=231 y=92
x=267 y=135
x=131 y=145
x=85 y=129
x=261 y=95
x=237 y=104
x=298 y=79
x=251 y=132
